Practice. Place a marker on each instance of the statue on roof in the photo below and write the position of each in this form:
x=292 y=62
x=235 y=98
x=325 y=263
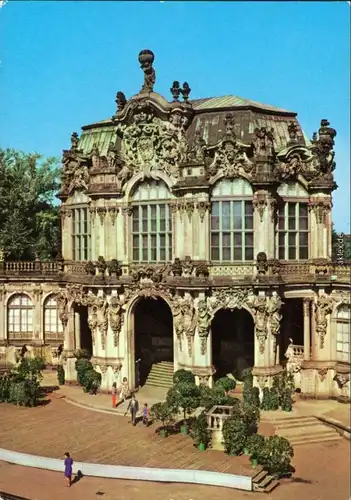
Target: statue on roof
x=121 y=101
x=146 y=58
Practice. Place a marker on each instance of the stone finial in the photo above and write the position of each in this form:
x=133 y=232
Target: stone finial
x=146 y=58
x=175 y=91
x=120 y=101
x=326 y=134
x=74 y=141
x=185 y=91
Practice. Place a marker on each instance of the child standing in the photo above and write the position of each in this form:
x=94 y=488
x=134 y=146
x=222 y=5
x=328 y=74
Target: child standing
x=114 y=395
x=146 y=415
x=68 y=469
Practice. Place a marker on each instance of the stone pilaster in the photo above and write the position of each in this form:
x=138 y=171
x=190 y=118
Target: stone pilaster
x=100 y=227
x=264 y=223
x=320 y=226
x=306 y=329
x=201 y=230
x=67 y=232
x=2 y=314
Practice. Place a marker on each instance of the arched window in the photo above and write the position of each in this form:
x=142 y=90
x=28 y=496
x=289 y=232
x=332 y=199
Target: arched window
x=19 y=317
x=81 y=234
x=293 y=227
x=232 y=221
x=343 y=333
x=152 y=223
x=52 y=324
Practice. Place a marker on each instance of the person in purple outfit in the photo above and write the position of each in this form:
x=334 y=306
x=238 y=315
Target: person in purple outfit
x=68 y=469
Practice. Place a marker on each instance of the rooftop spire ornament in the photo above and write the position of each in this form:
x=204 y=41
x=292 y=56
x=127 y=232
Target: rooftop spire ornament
x=146 y=58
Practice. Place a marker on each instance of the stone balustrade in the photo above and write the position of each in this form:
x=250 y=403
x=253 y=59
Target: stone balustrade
x=281 y=271
x=215 y=420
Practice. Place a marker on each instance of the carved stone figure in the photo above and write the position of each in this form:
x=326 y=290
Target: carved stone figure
x=263 y=142
x=146 y=58
x=178 y=319
x=323 y=307
x=260 y=317
x=292 y=131
x=102 y=319
x=116 y=317
x=274 y=310
x=189 y=321
x=261 y=263
x=197 y=149
x=230 y=158
x=203 y=324
x=291 y=168
x=62 y=304
x=177 y=268
x=91 y=303
x=175 y=91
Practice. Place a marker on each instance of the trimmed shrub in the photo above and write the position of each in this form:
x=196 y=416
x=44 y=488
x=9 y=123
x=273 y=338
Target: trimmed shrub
x=255 y=444
x=60 y=374
x=274 y=399
x=276 y=455
x=183 y=376
x=227 y=383
x=185 y=396
x=163 y=413
x=234 y=435
x=199 y=430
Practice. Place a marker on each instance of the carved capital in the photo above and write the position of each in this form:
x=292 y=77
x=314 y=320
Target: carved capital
x=101 y=211
x=113 y=212
x=203 y=207
x=127 y=210
x=306 y=307
x=189 y=207
x=92 y=212
x=321 y=207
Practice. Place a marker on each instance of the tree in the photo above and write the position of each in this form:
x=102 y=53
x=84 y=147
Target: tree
x=29 y=219
x=184 y=395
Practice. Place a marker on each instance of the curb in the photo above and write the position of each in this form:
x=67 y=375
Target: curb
x=199 y=477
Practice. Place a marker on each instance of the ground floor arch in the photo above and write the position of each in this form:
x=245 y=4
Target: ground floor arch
x=82 y=332
x=233 y=341
x=152 y=337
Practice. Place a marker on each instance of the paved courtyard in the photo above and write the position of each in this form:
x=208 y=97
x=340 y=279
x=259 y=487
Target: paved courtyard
x=322 y=471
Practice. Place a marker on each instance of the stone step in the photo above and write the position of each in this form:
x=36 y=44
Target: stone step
x=307 y=430
x=311 y=439
x=295 y=424
x=280 y=420
x=273 y=484
x=259 y=476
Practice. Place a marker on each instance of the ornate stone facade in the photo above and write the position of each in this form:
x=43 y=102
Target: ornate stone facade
x=139 y=209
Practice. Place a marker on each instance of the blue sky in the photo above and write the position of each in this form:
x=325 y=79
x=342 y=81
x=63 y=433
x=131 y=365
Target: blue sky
x=62 y=63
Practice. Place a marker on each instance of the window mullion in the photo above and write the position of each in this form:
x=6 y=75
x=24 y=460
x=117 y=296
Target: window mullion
x=220 y=232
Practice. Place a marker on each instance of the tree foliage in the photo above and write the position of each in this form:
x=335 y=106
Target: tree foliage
x=29 y=219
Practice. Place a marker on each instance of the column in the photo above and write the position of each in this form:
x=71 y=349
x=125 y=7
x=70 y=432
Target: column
x=306 y=329
x=320 y=209
x=264 y=212
x=69 y=365
x=77 y=330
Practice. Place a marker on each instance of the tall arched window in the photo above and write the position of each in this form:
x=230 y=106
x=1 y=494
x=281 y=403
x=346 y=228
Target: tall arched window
x=343 y=333
x=152 y=223
x=81 y=234
x=52 y=324
x=232 y=221
x=19 y=317
x=293 y=226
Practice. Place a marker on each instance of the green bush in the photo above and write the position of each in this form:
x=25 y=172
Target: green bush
x=252 y=396
x=163 y=413
x=266 y=400
x=276 y=455
x=24 y=393
x=83 y=366
x=183 y=376
x=227 y=383
x=283 y=382
x=60 y=374
x=5 y=384
x=273 y=399
x=82 y=354
x=255 y=444
x=286 y=400
x=92 y=381
x=234 y=435
x=250 y=415
x=185 y=396
x=199 y=430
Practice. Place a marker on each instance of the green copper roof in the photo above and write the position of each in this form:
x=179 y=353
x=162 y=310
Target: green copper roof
x=232 y=101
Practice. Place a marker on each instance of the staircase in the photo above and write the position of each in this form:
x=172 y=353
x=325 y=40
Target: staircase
x=263 y=482
x=161 y=375
x=303 y=430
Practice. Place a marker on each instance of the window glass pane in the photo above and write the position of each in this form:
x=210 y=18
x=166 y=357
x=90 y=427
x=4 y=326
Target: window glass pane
x=248 y=222
x=248 y=253
x=292 y=253
x=281 y=222
x=303 y=239
x=225 y=223
x=226 y=239
x=237 y=253
x=248 y=208
x=214 y=253
x=281 y=239
x=238 y=239
x=215 y=209
x=237 y=222
x=162 y=254
x=281 y=253
x=237 y=208
x=303 y=210
x=303 y=224
x=291 y=223
x=214 y=222
x=292 y=239
x=303 y=253
x=292 y=209
x=226 y=254
x=225 y=209
x=215 y=239
x=249 y=239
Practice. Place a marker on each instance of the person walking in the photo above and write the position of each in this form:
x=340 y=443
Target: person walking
x=114 y=395
x=146 y=414
x=133 y=407
x=68 y=469
x=125 y=390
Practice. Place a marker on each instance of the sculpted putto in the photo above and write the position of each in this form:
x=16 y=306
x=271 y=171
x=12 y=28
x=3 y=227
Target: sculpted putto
x=203 y=323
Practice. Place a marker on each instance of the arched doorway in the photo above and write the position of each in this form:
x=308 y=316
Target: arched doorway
x=153 y=338
x=233 y=342
x=82 y=332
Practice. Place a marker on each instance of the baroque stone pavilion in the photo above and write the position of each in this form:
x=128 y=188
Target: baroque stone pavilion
x=195 y=233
